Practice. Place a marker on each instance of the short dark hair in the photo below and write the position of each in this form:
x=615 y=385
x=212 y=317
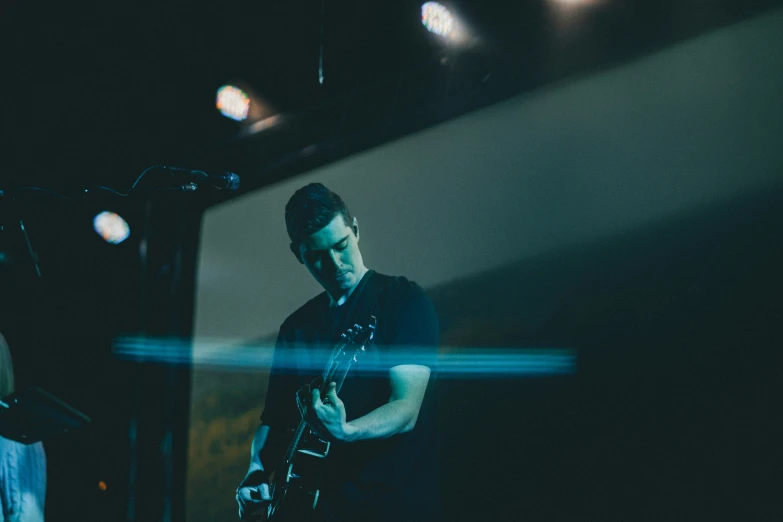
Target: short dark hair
x=311 y=208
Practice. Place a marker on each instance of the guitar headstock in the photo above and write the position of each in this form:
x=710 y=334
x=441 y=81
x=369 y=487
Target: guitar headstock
x=358 y=334
x=348 y=350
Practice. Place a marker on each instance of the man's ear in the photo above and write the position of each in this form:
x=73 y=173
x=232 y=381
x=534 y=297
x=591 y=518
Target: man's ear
x=295 y=251
x=355 y=227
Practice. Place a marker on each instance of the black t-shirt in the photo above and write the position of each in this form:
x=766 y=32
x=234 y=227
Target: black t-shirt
x=382 y=479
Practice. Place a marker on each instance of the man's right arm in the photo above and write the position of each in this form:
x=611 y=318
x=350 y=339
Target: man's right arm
x=253 y=492
x=269 y=443
x=257 y=468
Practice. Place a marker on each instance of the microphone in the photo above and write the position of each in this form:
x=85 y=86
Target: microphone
x=222 y=181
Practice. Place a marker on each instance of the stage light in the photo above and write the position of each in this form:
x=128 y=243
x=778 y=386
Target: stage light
x=111 y=227
x=437 y=19
x=233 y=102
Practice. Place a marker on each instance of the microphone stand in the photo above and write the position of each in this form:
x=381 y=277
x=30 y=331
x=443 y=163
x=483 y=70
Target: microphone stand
x=151 y=470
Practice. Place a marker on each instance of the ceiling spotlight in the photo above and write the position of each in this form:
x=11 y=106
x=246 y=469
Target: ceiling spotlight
x=437 y=19
x=233 y=102
x=111 y=227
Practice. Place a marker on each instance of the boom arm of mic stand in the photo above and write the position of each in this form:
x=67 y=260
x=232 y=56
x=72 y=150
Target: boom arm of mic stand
x=187 y=187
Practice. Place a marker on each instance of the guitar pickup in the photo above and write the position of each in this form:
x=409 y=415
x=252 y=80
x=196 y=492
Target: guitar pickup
x=312 y=453
x=316 y=448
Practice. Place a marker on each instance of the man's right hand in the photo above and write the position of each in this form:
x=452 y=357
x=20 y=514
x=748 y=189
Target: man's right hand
x=253 y=502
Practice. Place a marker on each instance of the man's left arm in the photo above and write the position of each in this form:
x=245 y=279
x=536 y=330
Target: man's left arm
x=399 y=415
x=412 y=339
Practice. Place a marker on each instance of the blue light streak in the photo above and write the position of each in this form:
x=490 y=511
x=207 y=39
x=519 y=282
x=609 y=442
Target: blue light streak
x=454 y=362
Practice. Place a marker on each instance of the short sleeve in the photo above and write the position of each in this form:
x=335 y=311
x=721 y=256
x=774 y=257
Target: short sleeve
x=408 y=328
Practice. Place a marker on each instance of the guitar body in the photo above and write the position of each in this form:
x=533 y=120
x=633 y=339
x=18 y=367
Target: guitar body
x=296 y=482
x=295 y=485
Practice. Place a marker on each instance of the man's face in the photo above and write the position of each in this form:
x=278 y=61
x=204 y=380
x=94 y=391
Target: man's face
x=332 y=256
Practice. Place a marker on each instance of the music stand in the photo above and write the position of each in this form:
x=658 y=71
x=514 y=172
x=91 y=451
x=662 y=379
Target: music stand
x=33 y=415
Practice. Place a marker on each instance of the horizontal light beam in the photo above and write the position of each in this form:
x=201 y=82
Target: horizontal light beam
x=456 y=362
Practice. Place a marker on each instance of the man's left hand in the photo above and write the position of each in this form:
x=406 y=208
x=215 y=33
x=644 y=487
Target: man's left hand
x=327 y=417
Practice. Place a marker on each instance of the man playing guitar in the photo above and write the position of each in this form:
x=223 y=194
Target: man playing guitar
x=380 y=428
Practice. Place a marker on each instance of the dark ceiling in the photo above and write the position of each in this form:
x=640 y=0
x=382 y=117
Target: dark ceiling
x=96 y=91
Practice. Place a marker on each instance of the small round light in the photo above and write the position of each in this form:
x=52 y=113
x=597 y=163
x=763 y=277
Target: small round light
x=437 y=19
x=111 y=227
x=233 y=102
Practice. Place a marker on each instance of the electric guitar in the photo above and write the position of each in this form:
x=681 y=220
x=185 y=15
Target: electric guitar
x=295 y=485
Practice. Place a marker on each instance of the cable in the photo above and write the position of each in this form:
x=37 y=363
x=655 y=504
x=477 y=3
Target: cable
x=107 y=189
x=144 y=172
x=38 y=189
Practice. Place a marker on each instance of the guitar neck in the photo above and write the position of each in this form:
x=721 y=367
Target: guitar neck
x=297 y=438
x=328 y=376
x=335 y=371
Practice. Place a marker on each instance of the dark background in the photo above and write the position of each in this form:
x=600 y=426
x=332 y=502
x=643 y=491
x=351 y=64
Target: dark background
x=673 y=413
